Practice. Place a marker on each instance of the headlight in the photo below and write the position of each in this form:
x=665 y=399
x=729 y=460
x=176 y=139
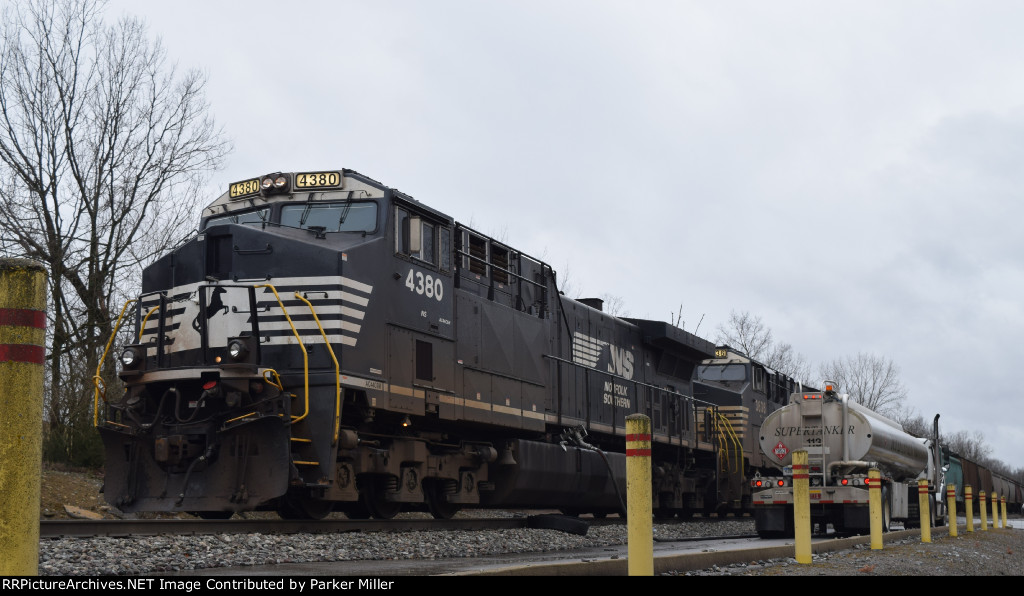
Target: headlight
x=237 y=350
x=275 y=184
x=131 y=357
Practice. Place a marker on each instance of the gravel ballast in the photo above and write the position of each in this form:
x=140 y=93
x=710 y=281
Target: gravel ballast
x=995 y=552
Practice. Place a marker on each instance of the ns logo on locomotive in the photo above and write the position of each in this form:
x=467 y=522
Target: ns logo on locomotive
x=327 y=343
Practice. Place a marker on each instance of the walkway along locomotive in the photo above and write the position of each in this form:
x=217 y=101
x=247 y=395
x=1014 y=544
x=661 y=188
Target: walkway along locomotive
x=328 y=343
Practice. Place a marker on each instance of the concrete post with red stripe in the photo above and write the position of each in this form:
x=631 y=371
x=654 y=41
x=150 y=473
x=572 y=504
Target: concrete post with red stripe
x=639 y=500
x=951 y=508
x=1002 y=501
x=22 y=349
x=993 y=498
x=801 y=507
x=969 y=506
x=924 y=510
x=875 y=508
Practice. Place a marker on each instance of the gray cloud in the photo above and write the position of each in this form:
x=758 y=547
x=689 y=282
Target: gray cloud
x=845 y=170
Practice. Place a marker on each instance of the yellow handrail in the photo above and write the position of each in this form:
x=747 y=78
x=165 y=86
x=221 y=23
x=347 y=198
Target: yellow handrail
x=724 y=431
x=337 y=369
x=96 y=380
x=276 y=383
x=305 y=355
x=142 y=328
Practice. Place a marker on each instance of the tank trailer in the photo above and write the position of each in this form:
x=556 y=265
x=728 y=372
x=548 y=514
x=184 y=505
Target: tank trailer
x=843 y=441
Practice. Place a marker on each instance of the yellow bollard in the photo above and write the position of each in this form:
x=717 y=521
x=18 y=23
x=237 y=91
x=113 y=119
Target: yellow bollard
x=984 y=510
x=969 y=506
x=801 y=507
x=875 y=508
x=926 y=514
x=640 y=532
x=951 y=508
x=1003 y=501
x=22 y=350
x=993 y=498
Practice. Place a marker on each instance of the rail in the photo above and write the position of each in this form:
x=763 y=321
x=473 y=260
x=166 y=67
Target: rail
x=84 y=528
x=694 y=403
x=461 y=251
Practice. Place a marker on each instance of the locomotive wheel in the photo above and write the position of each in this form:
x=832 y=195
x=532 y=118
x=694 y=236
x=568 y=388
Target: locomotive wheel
x=663 y=508
x=373 y=499
x=437 y=503
x=300 y=507
x=356 y=510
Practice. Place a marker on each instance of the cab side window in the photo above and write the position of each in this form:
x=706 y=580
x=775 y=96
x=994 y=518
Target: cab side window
x=401 y=224
x=422 y=239
x=427 y=244
x=759 y=379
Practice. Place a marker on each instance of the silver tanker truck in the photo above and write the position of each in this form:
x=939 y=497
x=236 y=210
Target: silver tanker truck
x=843 y=441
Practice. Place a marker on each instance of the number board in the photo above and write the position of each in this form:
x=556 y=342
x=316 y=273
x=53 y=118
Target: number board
x=721 y=353
x=318 y=180
x=244 y=188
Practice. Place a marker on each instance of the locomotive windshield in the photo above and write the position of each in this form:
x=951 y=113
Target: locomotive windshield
x=333 y=217
x=257 y=216
x=722 y=372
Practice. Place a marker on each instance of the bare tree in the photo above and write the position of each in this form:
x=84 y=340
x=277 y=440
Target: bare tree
x=749 y=334
x=101 y=145
x=871 y=381
x=746 y=333
x=614 y=305
x=913 y=423
x=783 y=358
x=566 y=284
x=969 y=445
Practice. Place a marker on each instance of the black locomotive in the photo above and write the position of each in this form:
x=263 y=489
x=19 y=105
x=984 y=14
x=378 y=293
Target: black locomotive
x=326 y=343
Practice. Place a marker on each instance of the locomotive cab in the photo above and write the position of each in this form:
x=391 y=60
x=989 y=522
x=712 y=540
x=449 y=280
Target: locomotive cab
x=745 y=391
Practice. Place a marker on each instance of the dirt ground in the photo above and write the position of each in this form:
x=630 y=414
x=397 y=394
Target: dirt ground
x=70 y=493
x=995 y=552
x=73 y=487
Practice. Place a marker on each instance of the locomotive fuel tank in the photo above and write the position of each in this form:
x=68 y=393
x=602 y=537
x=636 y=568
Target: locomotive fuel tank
x=844 y=432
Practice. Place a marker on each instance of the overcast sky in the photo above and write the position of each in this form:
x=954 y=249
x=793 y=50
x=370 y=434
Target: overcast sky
x=847 y=171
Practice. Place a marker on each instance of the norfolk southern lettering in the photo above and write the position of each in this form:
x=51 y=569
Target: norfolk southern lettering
x=811 y=431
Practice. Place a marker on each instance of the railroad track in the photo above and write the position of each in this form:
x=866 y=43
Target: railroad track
x=402 y=546
x=85 y=528
x=81 y=528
